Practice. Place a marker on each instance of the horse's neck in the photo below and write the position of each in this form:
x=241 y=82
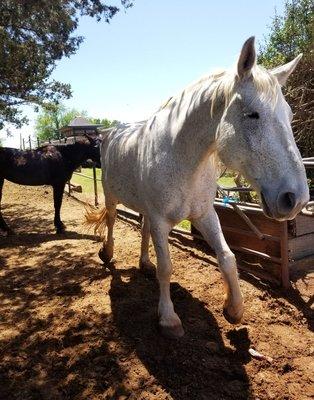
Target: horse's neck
x=75 y=154
x=194 y=127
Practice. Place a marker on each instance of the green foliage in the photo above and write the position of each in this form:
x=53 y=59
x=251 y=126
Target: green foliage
x=106 y=123
x=87 y=184
x=290 y=34
x=185 y=224
x=34 y=34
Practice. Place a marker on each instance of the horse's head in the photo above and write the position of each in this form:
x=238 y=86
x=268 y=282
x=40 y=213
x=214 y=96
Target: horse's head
x=255 y=136
x=94 y=149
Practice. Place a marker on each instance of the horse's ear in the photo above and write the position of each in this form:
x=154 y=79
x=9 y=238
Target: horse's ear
x=247 y=58
x=283 y=72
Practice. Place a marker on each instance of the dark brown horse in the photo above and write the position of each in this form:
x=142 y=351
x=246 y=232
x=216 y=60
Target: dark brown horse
x=47 y=165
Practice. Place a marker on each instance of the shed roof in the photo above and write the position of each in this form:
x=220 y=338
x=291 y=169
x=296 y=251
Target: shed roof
x=80 y=121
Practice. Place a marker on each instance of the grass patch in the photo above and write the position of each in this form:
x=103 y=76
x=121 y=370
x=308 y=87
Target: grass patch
x=86 y=183
x=185 y=224
x=227 y=181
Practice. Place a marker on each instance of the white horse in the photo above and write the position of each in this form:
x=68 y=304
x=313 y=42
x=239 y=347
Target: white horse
x=165 y=167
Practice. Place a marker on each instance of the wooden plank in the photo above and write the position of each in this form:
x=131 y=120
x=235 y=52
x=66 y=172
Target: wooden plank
x=250 y=233
x=301 y=246
x=264 y=269
x=304 y=264
x=229 y=218
x=245 y=240
x=304 y=224
x=285 y=278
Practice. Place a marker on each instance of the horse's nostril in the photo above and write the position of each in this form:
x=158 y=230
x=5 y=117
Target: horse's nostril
x=286 y=202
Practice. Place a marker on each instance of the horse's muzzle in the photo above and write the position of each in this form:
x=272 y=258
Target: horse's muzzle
x=284 y=204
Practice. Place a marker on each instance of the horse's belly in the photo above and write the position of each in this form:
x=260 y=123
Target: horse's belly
x=187 y=209
x=125 y=191
x=26 y=179
x=189 y=201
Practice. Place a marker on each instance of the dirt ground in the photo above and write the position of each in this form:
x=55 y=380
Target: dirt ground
x=72 y=328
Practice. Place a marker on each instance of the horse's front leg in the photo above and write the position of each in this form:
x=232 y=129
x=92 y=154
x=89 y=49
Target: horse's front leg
x=58 y=190
x=3 y=225
x=168 y=320
x=211 y=230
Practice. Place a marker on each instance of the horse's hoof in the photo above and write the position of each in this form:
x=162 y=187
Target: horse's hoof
x=232 y=319
x=60 y=229
x=172 y=332
x=147 y=267
x=104 y=256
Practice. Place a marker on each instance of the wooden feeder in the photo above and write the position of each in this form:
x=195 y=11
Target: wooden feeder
x=287 y=245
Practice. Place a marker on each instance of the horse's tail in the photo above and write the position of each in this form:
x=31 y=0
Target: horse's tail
x=96 y=219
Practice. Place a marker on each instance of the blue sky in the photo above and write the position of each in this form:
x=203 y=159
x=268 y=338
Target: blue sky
x=124 y=70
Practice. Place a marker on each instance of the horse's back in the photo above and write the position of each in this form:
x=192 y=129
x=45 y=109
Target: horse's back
x=29 y=167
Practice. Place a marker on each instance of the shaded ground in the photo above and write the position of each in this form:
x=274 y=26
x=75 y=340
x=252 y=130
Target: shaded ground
x=71 y=328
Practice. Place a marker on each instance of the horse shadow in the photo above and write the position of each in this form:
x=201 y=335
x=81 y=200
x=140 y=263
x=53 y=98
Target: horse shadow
x=69 y=352
x=197 y=366
x=269 y=287
x=35 y=239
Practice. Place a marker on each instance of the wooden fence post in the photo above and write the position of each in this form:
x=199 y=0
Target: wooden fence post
x=95 y=185
x=285 y=276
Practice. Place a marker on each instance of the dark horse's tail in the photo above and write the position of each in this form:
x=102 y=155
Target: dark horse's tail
x=96 y=219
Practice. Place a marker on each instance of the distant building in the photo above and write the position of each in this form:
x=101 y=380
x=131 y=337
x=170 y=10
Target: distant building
x=78 y=126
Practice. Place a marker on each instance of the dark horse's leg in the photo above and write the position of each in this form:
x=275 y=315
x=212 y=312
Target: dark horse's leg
x=3 y=224
x=58 y=190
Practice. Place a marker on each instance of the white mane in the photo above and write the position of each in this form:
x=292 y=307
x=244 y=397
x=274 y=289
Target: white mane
x=223 y=84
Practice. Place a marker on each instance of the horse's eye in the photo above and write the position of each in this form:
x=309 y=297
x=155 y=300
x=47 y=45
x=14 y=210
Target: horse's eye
x=253 y=115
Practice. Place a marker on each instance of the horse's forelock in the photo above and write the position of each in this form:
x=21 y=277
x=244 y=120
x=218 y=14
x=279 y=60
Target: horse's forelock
x=265 y=83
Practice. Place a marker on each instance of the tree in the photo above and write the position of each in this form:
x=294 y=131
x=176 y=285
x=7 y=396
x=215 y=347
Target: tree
x=34 y=34
x=290 y=35
x=106 y=123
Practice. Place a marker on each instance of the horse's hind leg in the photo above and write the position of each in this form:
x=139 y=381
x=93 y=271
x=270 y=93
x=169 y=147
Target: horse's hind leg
x=106 y=253
x=145 y=262
x=169 y=321
x=210 y=228
x=3 y=224
x=58 y=190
